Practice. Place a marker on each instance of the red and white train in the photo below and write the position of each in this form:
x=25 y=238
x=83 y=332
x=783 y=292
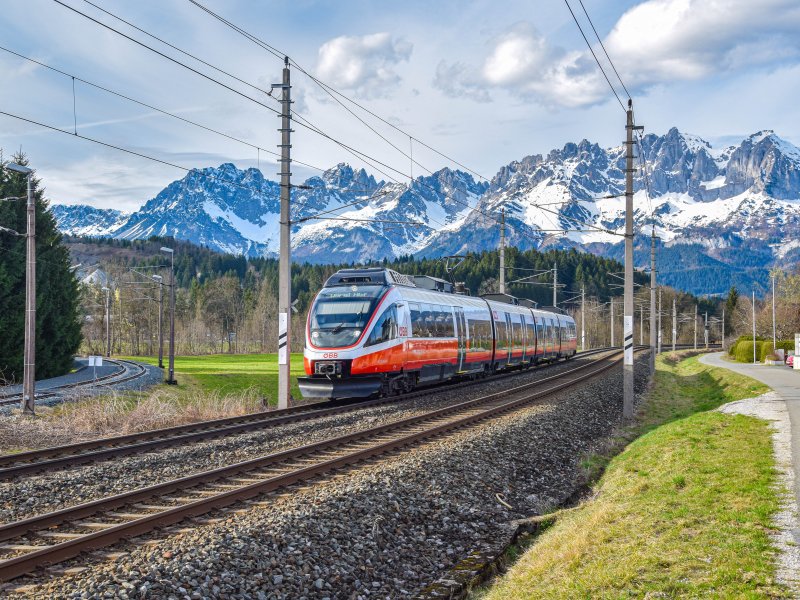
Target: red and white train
x=375 y=331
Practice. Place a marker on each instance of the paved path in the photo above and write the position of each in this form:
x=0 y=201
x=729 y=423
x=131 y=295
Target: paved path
x=83 y=373
x=785 y=382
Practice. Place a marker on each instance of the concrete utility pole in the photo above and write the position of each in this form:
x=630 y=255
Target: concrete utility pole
x=108 y=320
x=555 y=285
x=612 y=322
x=627 y=388
x=755 y=359
x=695 y=326
x=171 y=371
x=285 y=259
x=660 y=331
x=674 y=323
x=160 y=281
x=705 y=330
x=723 y=327
x=29 y=357
x=653 y=333
x=502 y=250
x=641 y=325
x=774 y=339
x=583 y=318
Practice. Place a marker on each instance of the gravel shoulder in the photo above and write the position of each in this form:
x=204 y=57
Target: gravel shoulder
x=384 y=530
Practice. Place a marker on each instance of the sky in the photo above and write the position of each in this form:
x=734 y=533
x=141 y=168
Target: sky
x=483 y=82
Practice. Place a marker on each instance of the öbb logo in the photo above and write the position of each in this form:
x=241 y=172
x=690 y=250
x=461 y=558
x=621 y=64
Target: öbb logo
x=330 y=355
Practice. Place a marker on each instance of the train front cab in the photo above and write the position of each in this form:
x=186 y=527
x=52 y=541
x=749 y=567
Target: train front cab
x=354 y=336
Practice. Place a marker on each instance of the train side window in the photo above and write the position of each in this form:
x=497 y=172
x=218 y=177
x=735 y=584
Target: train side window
x=445 y=322
x=531 y=334
x=502 y=334
x=385 y=327
x=519 y=336
x=416 y=319
x=428 y=321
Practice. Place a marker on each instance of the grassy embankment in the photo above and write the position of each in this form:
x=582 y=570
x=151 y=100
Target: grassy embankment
x=684 y=511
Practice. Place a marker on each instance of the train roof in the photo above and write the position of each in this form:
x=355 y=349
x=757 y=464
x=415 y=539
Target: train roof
x=369 y=276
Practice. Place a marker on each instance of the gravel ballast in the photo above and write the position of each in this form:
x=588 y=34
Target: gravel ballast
x=384 y=530
x=46 y=492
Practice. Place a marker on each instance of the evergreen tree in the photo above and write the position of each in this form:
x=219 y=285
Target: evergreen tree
x=58 y=324
x=730 y=306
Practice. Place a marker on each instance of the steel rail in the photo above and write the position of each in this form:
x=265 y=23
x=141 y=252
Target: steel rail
x=57 y=457
x=402 y=433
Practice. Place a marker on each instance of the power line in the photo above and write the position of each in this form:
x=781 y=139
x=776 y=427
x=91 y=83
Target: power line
x=184 y=52
x=168 y=57
x=574 y=18
x=300 y=120
x=155 y=108
x=125 y=150
x=329 y=89
x=306 y=125
x=611 y=62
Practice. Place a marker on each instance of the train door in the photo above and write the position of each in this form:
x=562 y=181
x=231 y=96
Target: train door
x=560 y=339
x=510 y=338
x=461 y=328
x=524 y=337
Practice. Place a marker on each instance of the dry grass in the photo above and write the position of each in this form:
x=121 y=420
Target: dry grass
x=117 y=414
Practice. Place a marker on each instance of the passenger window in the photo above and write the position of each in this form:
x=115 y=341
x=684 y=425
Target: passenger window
x=385 y=327
x=416 y=319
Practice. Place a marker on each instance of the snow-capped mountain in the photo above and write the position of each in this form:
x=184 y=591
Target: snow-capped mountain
x=735 y=210
x=86 y=220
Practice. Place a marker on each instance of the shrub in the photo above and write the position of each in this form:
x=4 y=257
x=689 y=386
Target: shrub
x=785 y=345
x=765 y=350
x=744 y=350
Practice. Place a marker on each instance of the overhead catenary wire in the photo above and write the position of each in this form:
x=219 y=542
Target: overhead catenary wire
x=307 y=124
x=611 y=62
x=152 y=107
x=125 y=150
x=363 y=155
x=330 y=89
x=613 y=89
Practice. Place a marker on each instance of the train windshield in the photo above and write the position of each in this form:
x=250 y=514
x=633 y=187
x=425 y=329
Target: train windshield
x=340 y=314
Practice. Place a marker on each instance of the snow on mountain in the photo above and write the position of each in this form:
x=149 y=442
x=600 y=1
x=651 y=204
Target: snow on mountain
x=739 y=203
x=83 y=220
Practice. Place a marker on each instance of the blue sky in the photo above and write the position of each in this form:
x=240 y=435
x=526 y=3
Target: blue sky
x=486 y=82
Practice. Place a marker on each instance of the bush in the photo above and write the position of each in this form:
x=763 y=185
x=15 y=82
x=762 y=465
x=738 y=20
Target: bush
x=744 y=350
x=785 y=345
x=743 y=338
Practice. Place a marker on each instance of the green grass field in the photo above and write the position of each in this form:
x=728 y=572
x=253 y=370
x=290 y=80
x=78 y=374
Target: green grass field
x=683 y=512
x=232 y=373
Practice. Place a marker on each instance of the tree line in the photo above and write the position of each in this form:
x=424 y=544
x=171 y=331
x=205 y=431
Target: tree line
x=227 y=303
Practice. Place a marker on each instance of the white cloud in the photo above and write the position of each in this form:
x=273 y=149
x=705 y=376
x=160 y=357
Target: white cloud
x=655 y=42
x=365 y=65
x=519 y=55
x=661 y=40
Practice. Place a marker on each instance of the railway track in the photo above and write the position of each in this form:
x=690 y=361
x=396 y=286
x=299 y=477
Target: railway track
x=60 y=457
x=128 y=371
x=60 y=535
